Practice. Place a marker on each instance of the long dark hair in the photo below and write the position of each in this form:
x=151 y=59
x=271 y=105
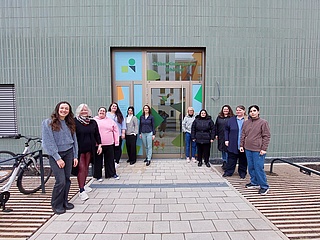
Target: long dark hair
x=69 y=119
x=118 y=113
x=148 y=108
x=230 y=113
x=132 y=108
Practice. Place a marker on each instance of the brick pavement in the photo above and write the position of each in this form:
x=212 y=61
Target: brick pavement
x=170 y=199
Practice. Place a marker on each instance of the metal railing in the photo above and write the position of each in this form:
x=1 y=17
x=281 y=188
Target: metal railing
x=303 y=169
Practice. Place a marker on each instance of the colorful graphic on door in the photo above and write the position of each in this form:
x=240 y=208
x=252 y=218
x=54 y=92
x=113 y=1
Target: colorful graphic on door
x=128 y=66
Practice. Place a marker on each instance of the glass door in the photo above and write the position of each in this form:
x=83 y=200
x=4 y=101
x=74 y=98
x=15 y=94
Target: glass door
x=168 y=107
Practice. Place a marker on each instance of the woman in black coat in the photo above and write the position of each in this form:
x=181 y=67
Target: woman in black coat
x=203 y=133
x=223 y=117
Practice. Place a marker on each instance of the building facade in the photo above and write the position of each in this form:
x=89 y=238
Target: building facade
x=168 y=54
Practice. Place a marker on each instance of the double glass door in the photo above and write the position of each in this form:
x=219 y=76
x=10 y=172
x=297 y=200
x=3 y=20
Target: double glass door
x=168 y=108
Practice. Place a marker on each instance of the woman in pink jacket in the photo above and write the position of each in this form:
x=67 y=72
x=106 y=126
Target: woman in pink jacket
x=109 y=139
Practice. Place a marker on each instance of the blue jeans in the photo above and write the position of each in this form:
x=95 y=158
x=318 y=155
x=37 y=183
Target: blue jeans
x=147 y=142
x=224 y=156
x=193 y=146
x=256 y=168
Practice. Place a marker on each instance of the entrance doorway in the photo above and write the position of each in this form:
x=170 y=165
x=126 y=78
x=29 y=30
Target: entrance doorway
x=168 y=105
x=169 y=81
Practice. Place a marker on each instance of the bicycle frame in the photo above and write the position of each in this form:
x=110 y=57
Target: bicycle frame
x=20 y=161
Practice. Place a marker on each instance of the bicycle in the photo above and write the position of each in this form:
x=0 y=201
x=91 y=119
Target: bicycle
x=26 y=169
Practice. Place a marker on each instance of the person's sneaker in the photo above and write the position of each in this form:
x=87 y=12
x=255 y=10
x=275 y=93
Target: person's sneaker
x=116 y=177
x=250 y=185
x=194 y=160
x=116 y=165
x=100 y=180
x=87 y=189
x=263 y=191
x=83 y=196
x=188 y=159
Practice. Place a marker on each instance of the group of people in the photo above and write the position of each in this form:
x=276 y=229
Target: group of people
x=73 y=141
x=241 y=138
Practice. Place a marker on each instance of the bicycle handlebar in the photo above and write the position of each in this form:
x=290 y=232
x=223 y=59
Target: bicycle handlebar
x=14 y=136
x=18 y=136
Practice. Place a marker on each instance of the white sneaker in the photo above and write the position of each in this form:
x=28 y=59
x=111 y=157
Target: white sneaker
x=87 y=189
x=194 y=160
x=100 y=180
x=116 y=177
x=116 y=165
x=188 y=159
x=83 y=196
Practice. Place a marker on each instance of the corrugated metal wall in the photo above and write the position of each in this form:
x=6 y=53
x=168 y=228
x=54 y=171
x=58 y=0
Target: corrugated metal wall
x=257 y=52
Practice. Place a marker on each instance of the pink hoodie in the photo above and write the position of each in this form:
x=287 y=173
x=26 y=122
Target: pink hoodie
x=108 y=131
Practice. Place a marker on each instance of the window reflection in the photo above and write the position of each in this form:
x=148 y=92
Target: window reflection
x=174 y=66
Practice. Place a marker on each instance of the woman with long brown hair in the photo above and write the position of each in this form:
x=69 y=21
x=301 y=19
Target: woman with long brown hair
x=60 y=142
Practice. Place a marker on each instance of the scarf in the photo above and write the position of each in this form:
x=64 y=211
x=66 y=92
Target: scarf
x=83 y=120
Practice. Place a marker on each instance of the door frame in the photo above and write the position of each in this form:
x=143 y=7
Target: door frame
x=187 y=99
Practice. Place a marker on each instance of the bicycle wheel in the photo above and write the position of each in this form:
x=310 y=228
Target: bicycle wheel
x=29 y=180
x=6 y=167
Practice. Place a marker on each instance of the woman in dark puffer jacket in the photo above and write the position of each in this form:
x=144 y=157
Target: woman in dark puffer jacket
x=203 y=133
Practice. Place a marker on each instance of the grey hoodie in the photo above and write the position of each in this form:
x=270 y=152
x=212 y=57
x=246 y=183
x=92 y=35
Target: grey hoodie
x=187 y=123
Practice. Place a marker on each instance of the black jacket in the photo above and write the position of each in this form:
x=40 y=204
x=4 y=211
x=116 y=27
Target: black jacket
x=203 y=130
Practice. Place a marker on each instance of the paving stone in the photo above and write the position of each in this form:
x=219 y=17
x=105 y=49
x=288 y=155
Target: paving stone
x=140 y=227
x=143 y=208
x=170 y=216
x=242 y=236
x=226 y=215
x=161 y=227
x=247 y=214
x=222 y=225
x=58 y=227
x=96 y=227
x=78 y=227
x=132 y=237
x=198 y=207
x=191 y=216
x=173 y=236
x=105 y=236
x=97 y=216
x=202 y=226
x=153 y=236
x=114 y=217
x=123 y=208
x=266 y=235
x=137 y=217
x=180 y=226
x=116 y=227
x=241 y=224
x=220 y=235
x=153 y=216
x=81 y=217
x=64 y=236
x=198 y=236
x=85 y=237
x=259 y=224
x=209 y=215
x=177 y=208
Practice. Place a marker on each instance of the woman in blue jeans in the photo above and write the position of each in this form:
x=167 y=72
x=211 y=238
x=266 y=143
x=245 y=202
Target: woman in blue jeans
x=186 y=128
x=255 y=138
x=147 y=131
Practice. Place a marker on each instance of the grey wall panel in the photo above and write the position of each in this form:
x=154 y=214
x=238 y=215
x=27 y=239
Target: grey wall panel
x=260 y=52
